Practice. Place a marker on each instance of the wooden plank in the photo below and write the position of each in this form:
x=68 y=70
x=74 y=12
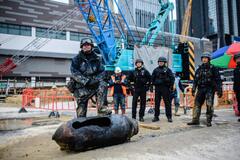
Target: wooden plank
x=149 y=126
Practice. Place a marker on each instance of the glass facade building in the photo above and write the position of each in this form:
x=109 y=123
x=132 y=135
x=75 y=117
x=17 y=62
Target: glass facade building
x=212 y=15
x=15 y=29
x=44 y=33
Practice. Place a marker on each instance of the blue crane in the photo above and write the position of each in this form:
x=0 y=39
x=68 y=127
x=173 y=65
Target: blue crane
x=100 y=20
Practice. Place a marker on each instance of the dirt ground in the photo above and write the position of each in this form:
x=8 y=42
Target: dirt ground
x=172 y=141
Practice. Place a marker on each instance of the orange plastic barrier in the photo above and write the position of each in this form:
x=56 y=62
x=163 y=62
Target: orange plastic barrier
x=54 y=99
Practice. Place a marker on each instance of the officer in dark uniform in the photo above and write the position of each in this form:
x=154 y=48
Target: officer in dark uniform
x=88 y=74
x=236 y=80
x=141 y=79
x=163 y=80
x=207 y=81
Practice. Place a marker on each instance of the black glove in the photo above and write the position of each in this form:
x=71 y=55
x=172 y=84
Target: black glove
x=93 y=82
x=71 y=85
x=219 y=94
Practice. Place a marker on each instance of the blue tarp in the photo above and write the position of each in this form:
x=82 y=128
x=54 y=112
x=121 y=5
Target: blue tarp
x=220 y=52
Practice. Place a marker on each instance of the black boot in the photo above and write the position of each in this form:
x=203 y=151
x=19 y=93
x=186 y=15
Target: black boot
x=209 y=124
x=239 y=120
x=155 y=119
x=170 y=120
x=141 y=119
x=193 y=123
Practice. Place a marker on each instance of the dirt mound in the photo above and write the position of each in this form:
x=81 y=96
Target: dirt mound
x=16 y=99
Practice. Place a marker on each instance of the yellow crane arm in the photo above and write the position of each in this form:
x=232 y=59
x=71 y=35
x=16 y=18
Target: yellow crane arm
x=186 y=21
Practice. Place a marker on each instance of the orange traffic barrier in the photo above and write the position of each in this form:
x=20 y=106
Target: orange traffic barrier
x=55 y=99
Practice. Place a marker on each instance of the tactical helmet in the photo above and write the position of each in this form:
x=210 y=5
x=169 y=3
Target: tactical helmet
x=117 y=70
x=236 y=56
x=86 y=41
x=139 y=61
x=162 y=59
x=206 y=55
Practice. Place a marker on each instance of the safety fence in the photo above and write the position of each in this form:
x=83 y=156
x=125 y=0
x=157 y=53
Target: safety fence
x=187 y=100
x=53 y=99
x=60 y=99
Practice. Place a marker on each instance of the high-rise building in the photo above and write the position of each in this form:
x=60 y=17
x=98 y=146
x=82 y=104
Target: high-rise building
x=216 y=19
x=141 y=13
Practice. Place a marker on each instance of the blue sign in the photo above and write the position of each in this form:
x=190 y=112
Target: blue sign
x=177 y=62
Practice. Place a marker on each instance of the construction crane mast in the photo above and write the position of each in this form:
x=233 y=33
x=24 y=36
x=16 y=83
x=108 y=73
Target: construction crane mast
x=186 y=21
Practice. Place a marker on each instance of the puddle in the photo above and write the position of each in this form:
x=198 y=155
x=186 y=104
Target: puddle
x=22 y=123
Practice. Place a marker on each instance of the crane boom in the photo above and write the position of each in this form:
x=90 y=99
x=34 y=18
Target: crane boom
x=186 y=21
x=157 y=24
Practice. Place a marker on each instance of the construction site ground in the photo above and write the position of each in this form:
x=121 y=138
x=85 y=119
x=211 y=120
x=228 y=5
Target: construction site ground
x=29 y=136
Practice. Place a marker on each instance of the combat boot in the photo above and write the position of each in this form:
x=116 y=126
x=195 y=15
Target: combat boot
x=193 y=123
x=141 y=119
x=170 y=120
x=155 y=119
x=209 y=121
x=238 y=120
x=209 y=124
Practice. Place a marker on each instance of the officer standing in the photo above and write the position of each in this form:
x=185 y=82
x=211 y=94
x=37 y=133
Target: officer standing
x=236 y=80
x=207 y=81
x=88 y=73
x=163 y=80
x=141 y=79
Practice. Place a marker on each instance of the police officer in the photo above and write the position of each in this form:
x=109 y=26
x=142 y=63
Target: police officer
x=207 y=81
x=163 y=80
x=141 y=79
x=236 y=80
x=88 y=73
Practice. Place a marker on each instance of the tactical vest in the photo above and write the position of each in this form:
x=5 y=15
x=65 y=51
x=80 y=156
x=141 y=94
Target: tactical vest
x=163 y=74
x=140 y=76
x=205 y=76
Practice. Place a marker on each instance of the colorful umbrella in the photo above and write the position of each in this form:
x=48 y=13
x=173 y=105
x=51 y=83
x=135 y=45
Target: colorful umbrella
x=233 y=49
x=223 y=57
x=220 y=52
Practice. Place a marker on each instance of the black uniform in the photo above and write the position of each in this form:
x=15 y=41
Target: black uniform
x=88 y=72
x=207 y=80
x=141 y=79
x=236 y=84
x=163 y=79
